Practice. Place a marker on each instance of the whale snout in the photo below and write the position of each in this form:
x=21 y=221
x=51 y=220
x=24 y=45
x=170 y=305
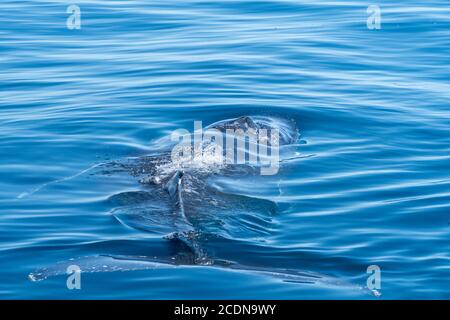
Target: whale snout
x=287 y=130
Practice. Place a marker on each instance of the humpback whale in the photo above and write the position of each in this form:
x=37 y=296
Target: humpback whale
x=178 y=202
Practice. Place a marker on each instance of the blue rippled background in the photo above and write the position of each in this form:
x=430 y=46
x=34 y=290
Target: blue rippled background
x=373 y=186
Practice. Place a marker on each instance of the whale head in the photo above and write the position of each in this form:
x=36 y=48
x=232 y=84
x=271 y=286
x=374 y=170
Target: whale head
x=287 y=130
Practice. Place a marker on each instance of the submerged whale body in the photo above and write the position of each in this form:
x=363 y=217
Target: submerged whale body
x=178 y=193
x=177 y=202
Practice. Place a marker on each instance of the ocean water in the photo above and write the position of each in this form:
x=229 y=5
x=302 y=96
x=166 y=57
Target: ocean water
x=366 y=183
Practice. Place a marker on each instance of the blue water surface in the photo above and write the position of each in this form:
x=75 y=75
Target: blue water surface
x=369 y=184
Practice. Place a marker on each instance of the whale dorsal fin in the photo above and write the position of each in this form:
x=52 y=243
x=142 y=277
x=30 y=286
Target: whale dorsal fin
x=172 y=186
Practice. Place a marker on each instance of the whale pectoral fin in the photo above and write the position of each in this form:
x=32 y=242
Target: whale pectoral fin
x=172 y=186
x=101 y=263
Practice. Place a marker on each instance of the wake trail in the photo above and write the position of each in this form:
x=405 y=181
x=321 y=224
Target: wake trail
x=42 y=186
